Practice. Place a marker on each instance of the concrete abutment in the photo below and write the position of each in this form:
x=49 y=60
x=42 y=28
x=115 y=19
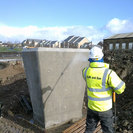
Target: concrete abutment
x=55 y=82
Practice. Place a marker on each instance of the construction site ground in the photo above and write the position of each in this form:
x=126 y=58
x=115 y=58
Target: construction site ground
x=15 y=119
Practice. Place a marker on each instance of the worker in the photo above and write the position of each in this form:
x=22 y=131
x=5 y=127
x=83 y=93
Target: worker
x=101 y=82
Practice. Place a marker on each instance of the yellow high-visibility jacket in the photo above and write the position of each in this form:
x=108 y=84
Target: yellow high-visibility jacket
x=100 y=81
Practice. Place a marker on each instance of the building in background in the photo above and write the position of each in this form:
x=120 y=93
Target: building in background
x=119 y=41
x=51 y=44
x=69 y=42
x=31 y=42
x=87 y=45
x=0 y=43
x=74 y=42
x=40 y=43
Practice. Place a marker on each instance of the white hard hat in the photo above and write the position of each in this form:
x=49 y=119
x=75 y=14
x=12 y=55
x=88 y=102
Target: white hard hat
x=96 y=53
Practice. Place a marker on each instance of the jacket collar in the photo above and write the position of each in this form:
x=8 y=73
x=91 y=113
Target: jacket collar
x=99 y=64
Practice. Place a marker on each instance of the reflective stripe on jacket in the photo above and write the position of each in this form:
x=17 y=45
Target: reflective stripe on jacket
x=100 y=81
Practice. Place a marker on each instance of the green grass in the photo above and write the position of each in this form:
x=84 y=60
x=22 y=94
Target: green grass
x=7 y=49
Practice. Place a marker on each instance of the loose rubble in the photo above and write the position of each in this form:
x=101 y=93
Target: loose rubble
x=122 y=63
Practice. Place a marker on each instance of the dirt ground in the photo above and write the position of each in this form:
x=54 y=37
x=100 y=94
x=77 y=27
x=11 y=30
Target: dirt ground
x=14 y=117
x=13 y=85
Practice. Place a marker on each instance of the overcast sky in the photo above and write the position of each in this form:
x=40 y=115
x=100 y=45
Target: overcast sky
x=58 y=19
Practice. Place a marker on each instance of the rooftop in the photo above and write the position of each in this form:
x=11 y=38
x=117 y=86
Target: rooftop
x=122 y=35
x=37 y=40
x=68 y=39
x=74 y=39
x=80 y=39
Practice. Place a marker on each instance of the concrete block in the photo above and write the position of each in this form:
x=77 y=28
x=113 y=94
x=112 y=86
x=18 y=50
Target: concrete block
x=56 y=85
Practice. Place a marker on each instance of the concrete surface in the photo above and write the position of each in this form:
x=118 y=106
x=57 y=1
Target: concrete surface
x=56 y=86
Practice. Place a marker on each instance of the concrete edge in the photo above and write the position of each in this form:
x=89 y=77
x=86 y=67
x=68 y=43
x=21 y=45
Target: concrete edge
x=54 y=49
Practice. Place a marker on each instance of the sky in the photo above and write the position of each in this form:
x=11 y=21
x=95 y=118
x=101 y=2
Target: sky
x=58 y=19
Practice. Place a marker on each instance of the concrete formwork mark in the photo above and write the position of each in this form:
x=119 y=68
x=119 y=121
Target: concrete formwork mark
x=57 y=81
x=72 y=62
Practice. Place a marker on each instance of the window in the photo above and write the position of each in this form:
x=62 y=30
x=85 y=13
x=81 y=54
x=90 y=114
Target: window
x=117 y=46
x=123 y=45
x=110 y=46
x=130 y=46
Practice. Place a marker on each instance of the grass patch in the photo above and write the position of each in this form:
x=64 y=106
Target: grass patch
x=7 y=49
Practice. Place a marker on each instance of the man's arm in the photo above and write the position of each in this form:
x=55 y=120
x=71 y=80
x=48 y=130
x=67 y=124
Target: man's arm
x=84 y=71
x=116 y=83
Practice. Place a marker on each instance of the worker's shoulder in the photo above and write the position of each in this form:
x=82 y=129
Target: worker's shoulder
x=84 y=69
x=111 y=72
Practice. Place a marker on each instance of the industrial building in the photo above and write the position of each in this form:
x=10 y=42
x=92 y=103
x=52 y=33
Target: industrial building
x=119 y=41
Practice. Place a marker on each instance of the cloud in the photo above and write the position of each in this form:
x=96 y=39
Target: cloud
x=9 y=33
x=15 y=33
x=119 y=26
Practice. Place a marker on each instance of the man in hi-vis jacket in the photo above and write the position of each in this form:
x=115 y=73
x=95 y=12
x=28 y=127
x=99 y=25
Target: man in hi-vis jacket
x=100 y=82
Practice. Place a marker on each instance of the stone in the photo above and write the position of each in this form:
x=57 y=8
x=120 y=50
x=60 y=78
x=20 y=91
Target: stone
x=130 y=131
x=125 y=131
x=129 y=126
x=125 y=123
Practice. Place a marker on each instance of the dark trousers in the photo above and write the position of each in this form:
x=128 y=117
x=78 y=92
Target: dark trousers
x=105 y=118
